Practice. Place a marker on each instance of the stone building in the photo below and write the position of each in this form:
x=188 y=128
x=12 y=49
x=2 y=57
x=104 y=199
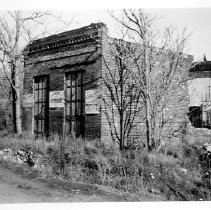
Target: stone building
x=200 y=94
x=70 y=65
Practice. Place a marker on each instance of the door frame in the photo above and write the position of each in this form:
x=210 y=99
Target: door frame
x=78 y=119
x=45 y=132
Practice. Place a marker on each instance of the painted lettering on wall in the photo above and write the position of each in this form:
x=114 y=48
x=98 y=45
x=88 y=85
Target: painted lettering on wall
x=56 y=99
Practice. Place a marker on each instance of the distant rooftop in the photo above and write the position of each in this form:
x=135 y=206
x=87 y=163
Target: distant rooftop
x=201 y=66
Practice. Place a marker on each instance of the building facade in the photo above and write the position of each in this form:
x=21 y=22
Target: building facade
x=64 y=65
x=200 y=94
x=63 y=86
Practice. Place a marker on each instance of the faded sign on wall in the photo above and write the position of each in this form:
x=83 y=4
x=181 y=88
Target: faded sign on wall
x=56 y=99
x=91 y=103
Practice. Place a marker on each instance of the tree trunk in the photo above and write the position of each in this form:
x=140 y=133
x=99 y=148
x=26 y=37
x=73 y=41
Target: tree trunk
x=18 y=103
x=153 y=138
x=13 y=93
x=148 y=127
x=122 y=143
x=147 y=100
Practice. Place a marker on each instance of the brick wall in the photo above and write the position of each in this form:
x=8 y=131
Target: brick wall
x=55 y=55
x=85 y=49
x=177 y=105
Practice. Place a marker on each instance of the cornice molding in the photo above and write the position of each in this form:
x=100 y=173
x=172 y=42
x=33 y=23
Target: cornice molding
x=69 y=38
x=60 y=43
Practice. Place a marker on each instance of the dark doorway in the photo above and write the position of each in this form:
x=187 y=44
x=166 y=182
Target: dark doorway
x=75 y=104
x=41 y=106
x=195 y=116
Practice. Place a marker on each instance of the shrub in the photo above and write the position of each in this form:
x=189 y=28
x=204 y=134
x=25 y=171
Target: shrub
x=175 y=171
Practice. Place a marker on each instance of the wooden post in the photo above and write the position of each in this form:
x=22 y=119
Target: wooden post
x=63 y=131
x=202 y=114
x=33 y=109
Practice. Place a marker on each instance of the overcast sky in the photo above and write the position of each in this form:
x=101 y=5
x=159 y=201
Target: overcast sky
x=197 y=20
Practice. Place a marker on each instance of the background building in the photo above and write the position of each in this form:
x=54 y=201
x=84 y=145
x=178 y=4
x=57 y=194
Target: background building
x=200 y=94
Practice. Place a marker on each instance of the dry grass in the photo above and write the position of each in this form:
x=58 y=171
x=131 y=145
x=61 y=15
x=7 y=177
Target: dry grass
x=175 y=171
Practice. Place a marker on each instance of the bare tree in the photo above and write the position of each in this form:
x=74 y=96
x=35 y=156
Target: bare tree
x=17 y=28
x=157 y=61
x=121 y=100
x=14 y=30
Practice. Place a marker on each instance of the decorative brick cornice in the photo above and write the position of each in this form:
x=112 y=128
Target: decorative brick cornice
x=69 y=38
x=58 y=44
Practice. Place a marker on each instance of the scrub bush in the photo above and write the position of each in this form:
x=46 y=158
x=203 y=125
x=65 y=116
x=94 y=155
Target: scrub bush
x=176 y=172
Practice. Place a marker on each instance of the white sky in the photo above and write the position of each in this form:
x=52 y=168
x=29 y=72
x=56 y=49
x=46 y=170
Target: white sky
x=197 y=20
x=195 y=15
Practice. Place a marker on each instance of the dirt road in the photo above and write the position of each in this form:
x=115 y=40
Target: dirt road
x=16 y=189
x=17 y=186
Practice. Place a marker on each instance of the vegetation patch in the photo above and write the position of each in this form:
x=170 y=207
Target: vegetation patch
x=185 y=175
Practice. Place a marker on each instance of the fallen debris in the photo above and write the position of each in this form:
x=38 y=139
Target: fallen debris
x=25 y=156
x=20 y=157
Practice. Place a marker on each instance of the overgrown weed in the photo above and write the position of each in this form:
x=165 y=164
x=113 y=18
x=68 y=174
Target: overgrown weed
x=174 y=171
